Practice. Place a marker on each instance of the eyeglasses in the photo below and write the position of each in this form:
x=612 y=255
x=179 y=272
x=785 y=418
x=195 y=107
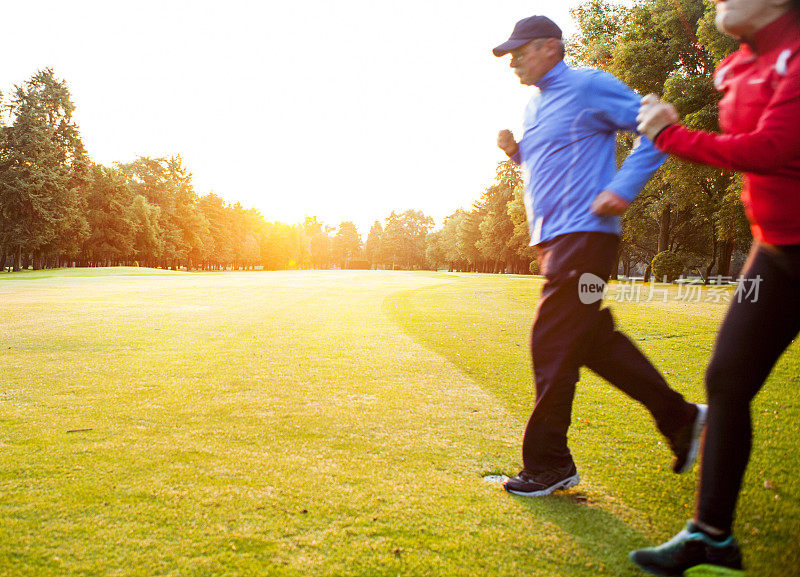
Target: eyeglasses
x=523 y=51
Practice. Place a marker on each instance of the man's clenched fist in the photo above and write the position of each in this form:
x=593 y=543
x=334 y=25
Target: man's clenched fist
x=609 y=203
x=506 y=142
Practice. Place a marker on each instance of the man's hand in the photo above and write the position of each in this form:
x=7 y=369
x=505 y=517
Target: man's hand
x=655 y=115
x=609 y=203
x=506 y=142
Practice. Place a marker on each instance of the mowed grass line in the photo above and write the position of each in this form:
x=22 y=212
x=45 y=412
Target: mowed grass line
x=67 y=273
x=261 y=423
x=481 y=324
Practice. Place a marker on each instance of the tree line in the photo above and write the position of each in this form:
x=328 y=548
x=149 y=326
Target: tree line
x=58 y=208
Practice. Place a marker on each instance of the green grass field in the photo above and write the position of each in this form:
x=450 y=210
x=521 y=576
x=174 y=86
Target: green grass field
x=338 y=423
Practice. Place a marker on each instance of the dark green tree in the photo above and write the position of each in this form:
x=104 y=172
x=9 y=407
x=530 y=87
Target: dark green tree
x=41 y=208
x=166 y=183
x=110 y=214
x=148 y=238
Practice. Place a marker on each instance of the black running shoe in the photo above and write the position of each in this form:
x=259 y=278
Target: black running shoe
x=540 y=484
x=685 y=443
x=693 y=552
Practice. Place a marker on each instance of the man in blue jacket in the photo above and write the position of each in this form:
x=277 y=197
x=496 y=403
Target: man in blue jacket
x=574 y=197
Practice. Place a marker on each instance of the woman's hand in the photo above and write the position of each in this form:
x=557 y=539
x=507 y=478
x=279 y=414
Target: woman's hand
x=655 y=115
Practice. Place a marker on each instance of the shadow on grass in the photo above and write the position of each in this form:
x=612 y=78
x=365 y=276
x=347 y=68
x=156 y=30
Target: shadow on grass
x=605 y=538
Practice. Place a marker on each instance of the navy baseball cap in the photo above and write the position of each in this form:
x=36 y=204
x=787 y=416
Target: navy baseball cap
x=526 y=30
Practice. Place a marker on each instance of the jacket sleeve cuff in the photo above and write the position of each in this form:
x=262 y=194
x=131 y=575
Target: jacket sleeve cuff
x=666 y=130
x=626 y=192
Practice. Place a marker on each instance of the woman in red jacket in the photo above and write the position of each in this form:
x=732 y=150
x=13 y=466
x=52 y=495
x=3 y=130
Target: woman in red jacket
x=760 y=117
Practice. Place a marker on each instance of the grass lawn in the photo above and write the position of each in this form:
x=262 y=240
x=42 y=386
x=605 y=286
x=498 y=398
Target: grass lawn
x=337 y=423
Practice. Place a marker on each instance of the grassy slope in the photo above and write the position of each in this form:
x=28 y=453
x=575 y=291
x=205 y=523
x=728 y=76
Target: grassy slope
x=281 y=423
x=481 y=325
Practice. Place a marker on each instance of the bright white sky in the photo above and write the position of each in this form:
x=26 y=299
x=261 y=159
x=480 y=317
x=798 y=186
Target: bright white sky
x=345 y=110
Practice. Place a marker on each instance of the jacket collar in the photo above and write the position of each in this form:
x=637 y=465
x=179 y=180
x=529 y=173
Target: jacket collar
x=552 y=75
x=776 y=33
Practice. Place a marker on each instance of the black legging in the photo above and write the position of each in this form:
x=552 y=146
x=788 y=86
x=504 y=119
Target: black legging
x=753 y=336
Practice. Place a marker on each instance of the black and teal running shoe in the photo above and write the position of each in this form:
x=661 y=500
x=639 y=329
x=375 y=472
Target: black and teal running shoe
x=692 y=553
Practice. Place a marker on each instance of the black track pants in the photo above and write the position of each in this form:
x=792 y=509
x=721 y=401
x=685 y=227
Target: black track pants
x=568 y=334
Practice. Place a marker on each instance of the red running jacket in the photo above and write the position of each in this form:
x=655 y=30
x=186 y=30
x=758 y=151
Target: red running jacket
x=760 y=117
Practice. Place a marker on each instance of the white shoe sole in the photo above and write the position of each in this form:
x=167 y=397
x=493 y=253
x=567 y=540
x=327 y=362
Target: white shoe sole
x=697 y=433
x=560 y=486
